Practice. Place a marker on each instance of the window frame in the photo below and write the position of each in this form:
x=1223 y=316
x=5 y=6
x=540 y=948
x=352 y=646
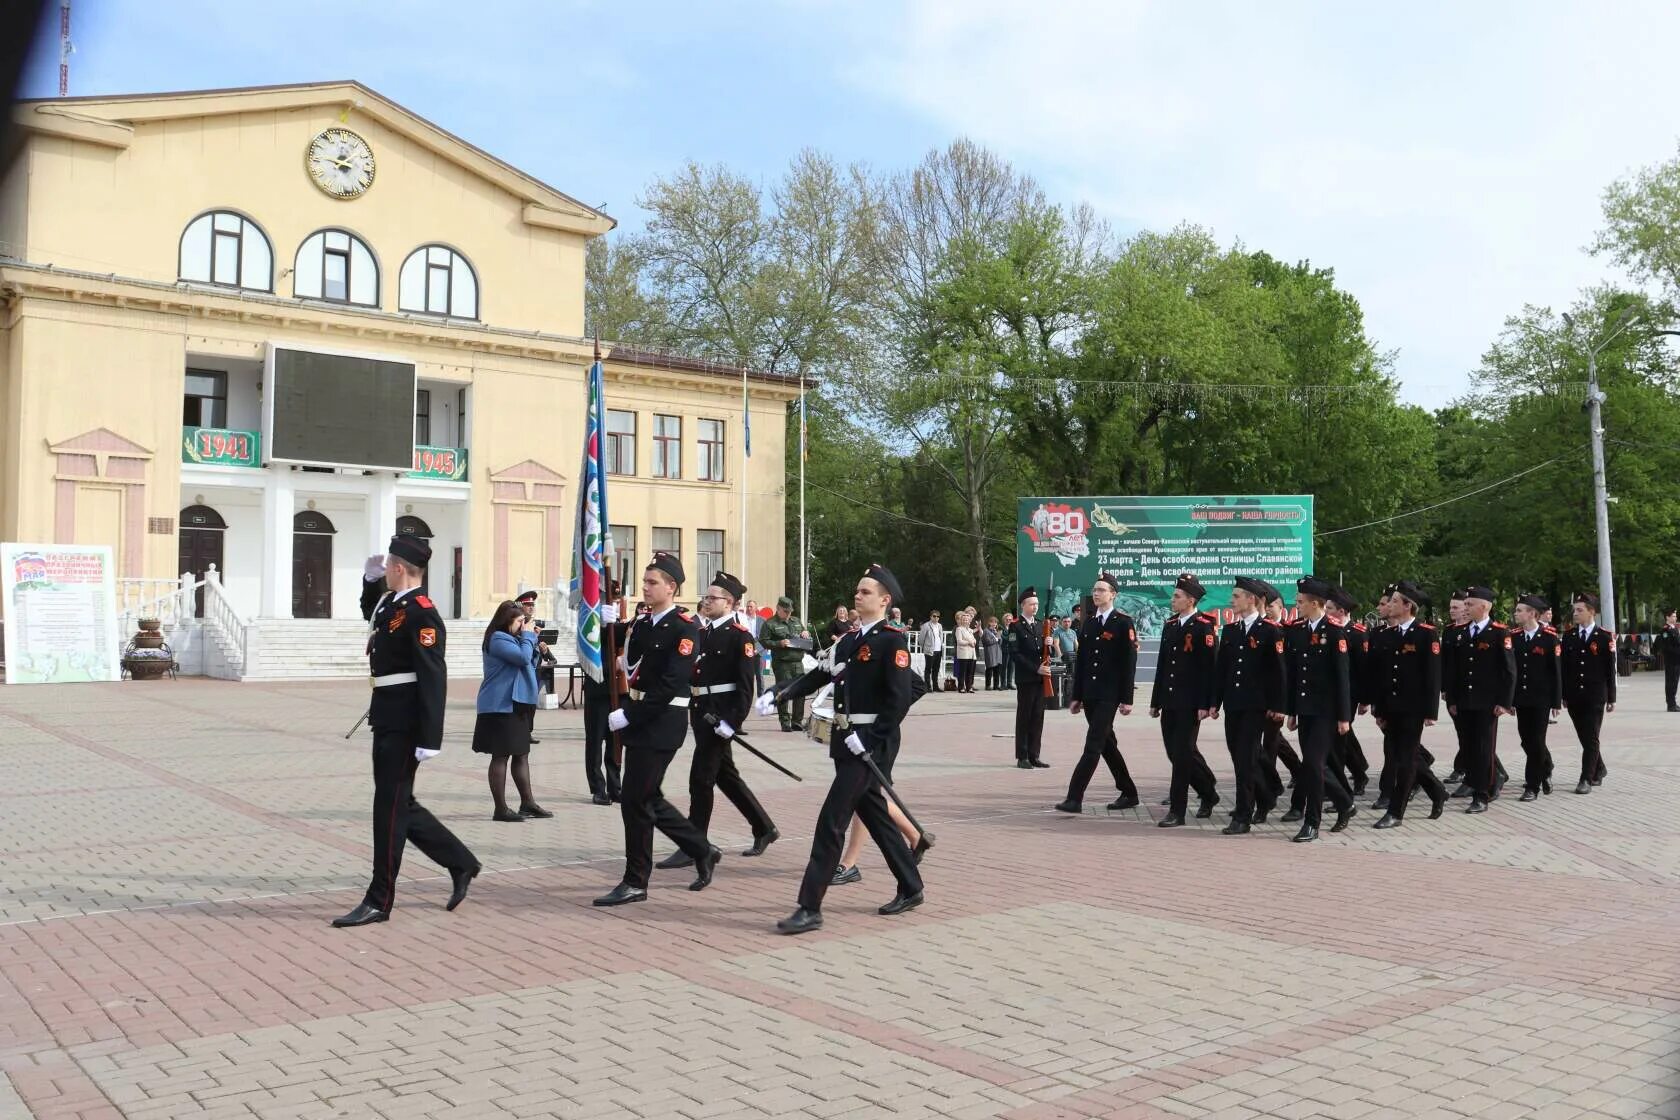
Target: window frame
x=450 y=287
x=221 y=378
x=705 y=571
x=713 y=450
x=653 y=539
x=625 y=558
x=248 y=226
x=422 y=411
x=663 y=446
x=348 y=255
x=610 y=453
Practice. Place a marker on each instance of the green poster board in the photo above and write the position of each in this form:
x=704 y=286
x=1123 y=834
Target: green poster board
x=1146 y=542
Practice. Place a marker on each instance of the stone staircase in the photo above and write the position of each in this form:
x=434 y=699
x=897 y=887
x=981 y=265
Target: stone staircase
x=316 y=648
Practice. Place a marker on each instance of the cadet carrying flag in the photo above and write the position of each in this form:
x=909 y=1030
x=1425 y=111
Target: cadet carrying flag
x=592 y=554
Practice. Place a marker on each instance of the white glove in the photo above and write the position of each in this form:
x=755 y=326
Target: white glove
x=623 y=665
x=724 y=731
x=373 y=569
x=807 y=663
x=766 y=703
x=609 y=613
x=617 y=720
x=421 y=754
x=855 y=745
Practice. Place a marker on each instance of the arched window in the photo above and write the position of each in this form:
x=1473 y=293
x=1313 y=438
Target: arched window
x=336 y=265
x=222 y=247
x=436 y=280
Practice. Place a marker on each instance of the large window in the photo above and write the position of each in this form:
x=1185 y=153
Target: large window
x=667 y=446
x=668 y=541
x=708 y=544
x=337 y=266
x=711 y=451
x=204 y=405
x=225 y=248
x=624 y=547
x=621 y=442
x=423 y=416
x=436 y=280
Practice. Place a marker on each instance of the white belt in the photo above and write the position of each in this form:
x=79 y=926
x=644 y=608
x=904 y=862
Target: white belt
x=395 y=678
x=843 y=720
x=676 y=701
x=712 y=689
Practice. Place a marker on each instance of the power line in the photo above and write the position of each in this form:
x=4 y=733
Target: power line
x=904 y=517
x=1449 y=501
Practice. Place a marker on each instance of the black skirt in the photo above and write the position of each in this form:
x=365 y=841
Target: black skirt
x=504 y=733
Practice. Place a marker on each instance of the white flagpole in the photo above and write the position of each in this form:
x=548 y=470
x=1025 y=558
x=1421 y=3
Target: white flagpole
x=804 y=546
x=745 y=435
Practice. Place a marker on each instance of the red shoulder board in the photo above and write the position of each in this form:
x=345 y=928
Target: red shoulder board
x=423 y=601
x=890 y=626
x=1423 y=626
x=1359 y=626
x=1299 y=622
x=1548 y=630
x=1207 y=615
x=741 y=628
x=1497 y=625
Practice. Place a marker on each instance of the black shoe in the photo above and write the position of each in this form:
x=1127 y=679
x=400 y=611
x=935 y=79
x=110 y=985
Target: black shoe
x=1343 y=816
x=1674 y=707
x=459 y=881
x=1259 y=816
x=534 y=742
x=1381 y=803
x=1039 y=764
x=1307 y=834
x=785 y=727
x=1477 y=805
x=1463 y=790
x=1205 y=809
x=363 y=915
x=1598 y=781
x=844 y=875
x=601 y=799
x=901 y=903
x=923 y=842
x=1124 y=801
x=800 y=921
x=1529 y=795
x=616 y=796
x=762 y=842
x=506 y=816
x=1436 y=808
x=534 y=811
x=621 y=894
x=1546 y=787
x=1389 y=820
x=1455 y=778
x=1583 y=786
x=1171 y=820
x=1235 y=828
x=703 y=869
x=1023 y=764
x=1165 y=802
x=1359 y=787
x=1292 y=816
x=676 y=859
x=1069 y=807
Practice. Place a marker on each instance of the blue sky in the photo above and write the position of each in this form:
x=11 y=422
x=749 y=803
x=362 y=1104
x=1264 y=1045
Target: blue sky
x=1446 y=159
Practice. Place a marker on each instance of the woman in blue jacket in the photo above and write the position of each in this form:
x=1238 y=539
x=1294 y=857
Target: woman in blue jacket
x=507 y=698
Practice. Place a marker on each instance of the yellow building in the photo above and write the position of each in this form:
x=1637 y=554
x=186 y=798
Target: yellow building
x=267 y=328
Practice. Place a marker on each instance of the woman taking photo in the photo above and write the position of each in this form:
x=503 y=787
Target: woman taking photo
x=966 y=643
x=507 y=702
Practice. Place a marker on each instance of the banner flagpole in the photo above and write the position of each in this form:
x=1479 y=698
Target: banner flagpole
x=746 y=453
x=804 y=544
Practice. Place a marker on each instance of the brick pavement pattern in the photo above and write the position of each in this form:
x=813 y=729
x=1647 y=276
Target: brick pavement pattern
x=174 y=850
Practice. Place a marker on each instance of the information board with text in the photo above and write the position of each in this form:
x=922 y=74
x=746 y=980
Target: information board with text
x=61 y=613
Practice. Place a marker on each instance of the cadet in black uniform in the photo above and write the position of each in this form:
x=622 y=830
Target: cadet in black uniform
x=725 y=683
x=600 y=768
x=1183 y=697
x=1347 y=756
x=1539 y=693
x=1274 y=748
x=1319 y=701
x=1589 y=685
x=1031 y=672
x=1456 y=619
x=1482 y=682
x=1668 y=648
x=410 y=679
x=870 y=668
x=1406 y=698
x=1248 y=685
x=1104 y=681
x=659 y=654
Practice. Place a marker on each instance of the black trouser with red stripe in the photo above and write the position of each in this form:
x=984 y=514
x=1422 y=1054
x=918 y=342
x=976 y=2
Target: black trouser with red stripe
x=399 y=819
x=713 y=767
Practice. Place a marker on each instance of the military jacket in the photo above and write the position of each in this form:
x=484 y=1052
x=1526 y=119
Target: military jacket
x=1184 y=675
x=1481 y=673
x=774 y=632
x=1028 y=652
x=1405 y=672
x=408 y=637
x=1589 y=666
x=1105 y=669
x=727 y=655
x=1250 y=674
x=1539 y=668
x=661 y=659
x=1317 y=662
x=871 y=677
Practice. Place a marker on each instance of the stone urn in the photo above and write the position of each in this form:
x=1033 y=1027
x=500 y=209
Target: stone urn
x=148 y=657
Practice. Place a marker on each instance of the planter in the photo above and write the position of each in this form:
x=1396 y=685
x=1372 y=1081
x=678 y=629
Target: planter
x=148 y=657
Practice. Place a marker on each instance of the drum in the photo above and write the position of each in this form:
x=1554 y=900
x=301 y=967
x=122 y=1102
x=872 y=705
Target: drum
x=822 y=715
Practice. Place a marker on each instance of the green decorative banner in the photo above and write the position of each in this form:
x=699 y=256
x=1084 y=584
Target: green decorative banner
x=446 y=463
x=220 y=447
x=1145 y=542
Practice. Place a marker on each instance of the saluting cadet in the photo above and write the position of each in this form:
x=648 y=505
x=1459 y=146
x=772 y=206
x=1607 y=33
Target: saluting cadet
x=1406 y=698
x=410 y=683
x=1589 y=685
x=1319 y=700
x=1031 y=671
x=870 y=668
x=1482 y=682
x=1104 y=682
x=725 y=683
x=1183 y=696
x=659 y=656
x=1249 y=685
x=1347 y=756
x=1539 y=695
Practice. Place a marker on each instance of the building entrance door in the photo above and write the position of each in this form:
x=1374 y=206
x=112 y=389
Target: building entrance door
x=312 y=565
x=202 y=534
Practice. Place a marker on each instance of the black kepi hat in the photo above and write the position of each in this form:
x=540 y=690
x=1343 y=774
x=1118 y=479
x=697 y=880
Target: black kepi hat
x=525 y=597
x=1409 y=591
x=670 y=565
x=1477 y=591
x=1535 y=602
x=413 y=549
x=1191 y=586
x=888 y=582
x=1256 y=587
x=1113 y=584
x=730 y=584
x=1339 y=596
x=1315 y=587
x=1027 y=593
x=1588 y=598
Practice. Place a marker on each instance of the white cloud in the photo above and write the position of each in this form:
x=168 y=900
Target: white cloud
x=1446 y=159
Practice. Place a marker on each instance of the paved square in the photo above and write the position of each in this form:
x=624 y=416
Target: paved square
x=174 y=850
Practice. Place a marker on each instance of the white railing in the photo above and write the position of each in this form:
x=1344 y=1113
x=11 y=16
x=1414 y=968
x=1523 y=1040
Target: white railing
x=170 y=601
x=220 y=616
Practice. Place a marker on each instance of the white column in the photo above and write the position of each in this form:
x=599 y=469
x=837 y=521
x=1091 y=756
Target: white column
x=279 y=507
x=382 y=514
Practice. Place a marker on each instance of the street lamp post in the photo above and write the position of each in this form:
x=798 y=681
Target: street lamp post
x=1601 y=498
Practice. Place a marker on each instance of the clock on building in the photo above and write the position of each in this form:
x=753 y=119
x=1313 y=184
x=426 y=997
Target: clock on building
x=340 y=163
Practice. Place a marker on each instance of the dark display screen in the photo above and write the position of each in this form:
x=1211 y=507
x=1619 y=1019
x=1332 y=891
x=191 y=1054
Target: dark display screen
x=334 y=409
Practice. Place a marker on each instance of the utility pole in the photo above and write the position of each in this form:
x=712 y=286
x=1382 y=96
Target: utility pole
x=1601 y=497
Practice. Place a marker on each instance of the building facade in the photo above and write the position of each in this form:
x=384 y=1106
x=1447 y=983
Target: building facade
x=194 y=288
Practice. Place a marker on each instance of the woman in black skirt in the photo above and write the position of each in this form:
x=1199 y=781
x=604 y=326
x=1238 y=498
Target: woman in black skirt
x=507 y=701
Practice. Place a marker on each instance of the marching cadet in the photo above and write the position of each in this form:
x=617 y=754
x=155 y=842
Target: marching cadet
x=870 y=668
x=1318 y=700
x=1456 y=611
x=1274 y=748
x=601 y=763
x=1539 y=694
x=1031 y=673
x=659 y=656
x=724 y=685
x=1348 y=761
x=1249 y=686
x=1481 y=681
x=1104 y=682
x=410 y=683
x=1183 y=697
x=1406 y=698
x=1668 y=646
x=1589 y=685
x=788 y=639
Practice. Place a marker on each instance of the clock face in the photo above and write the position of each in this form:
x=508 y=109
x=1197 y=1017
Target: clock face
x=340 y=163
